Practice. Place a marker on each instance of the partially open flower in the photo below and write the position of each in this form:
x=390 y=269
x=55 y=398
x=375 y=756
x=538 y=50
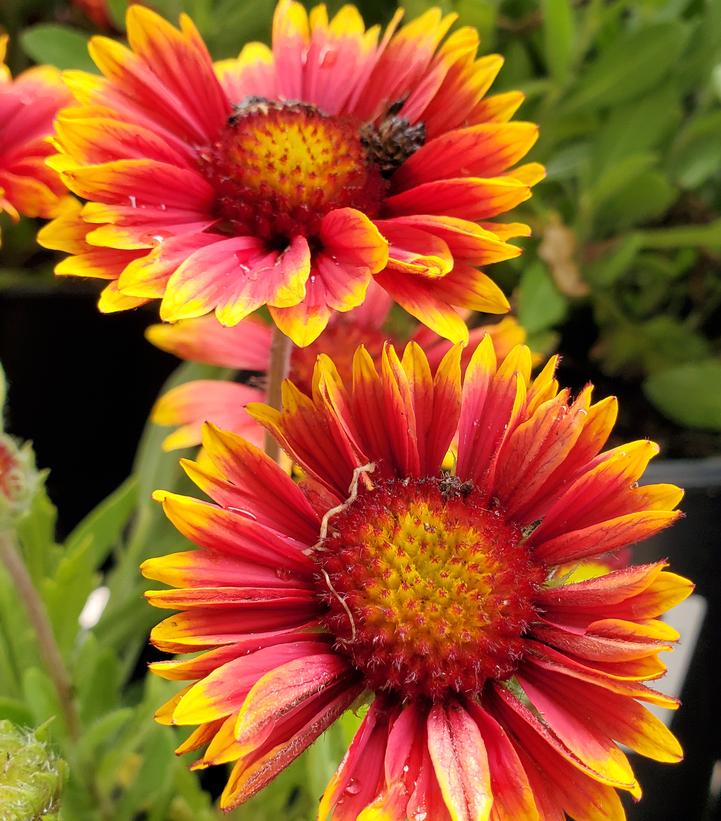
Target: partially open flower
x=293 y=177
x=497 y=689
x=28 y=105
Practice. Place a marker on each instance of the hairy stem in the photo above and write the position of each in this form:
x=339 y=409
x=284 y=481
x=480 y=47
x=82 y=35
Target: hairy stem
x=12 y=559
x=280 y=349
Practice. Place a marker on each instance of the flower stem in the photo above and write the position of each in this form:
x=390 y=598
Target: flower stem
x=11 y=558
x=280 y=349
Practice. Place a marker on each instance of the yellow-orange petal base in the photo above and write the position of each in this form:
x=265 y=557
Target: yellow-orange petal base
x=295 y=176
x=28 y=105
x=497 y=687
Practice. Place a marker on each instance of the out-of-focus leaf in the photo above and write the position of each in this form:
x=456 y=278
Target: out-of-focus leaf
x=558 y=38
x=16 y=711
x=98 y=679
x=619 y=177
x=636 y=128
x=634 y=62
x=101 y=732
x=689 y=395
x=615 y=262
x=57 y=45
x=683 y=236
x=41 y=697
x=102 y=527
x=645 y=197
x=540 y=304
x=695 y=155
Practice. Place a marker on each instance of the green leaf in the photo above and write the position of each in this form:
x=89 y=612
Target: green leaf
x=689 y=395
x=610 y=267
x=540 y=304
x=558 y=38
x=101 y=529
x=684 y=236
x=16 y=711
x=97 y=673
x=636 y=128
x=634 y=62
x=57 y=45
x=643 y=198
x=36 y=531
x=42 y=699
x=695 y=156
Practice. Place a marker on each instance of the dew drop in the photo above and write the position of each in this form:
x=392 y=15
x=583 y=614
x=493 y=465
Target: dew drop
x=352 y=787
x=420 y=815
x=283 y=573
x=133 y=201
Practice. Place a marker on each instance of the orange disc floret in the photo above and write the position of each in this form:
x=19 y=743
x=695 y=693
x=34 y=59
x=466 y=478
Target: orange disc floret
x=442 y=598
x=294 y=177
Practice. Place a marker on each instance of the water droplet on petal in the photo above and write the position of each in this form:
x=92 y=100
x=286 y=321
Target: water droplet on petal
x=352 y=787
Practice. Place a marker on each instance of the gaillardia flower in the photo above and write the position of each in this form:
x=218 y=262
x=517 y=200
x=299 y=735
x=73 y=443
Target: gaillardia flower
x=496 y=689
x=28 y=105
x=246 y=347
x=292 y=177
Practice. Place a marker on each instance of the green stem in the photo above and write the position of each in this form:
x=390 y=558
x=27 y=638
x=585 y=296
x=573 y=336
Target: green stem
x=12 y=559
x=280 y=349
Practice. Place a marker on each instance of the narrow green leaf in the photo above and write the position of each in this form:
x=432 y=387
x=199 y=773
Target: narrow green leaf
x=558 y=38
x=633 y=62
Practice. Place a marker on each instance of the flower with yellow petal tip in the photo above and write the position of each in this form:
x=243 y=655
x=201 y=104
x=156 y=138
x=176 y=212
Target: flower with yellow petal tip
x=496 y=689
x=292 y=177
x=247 y=347
x=28 y=105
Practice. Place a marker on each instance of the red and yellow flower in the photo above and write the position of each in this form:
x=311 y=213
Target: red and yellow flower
x=497 y=689
x=293 y=177
x=28 y=105
x=247 y=346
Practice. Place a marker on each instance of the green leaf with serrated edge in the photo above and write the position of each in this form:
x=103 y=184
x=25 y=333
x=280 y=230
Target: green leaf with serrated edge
x=689 y=395
x=634 y=62
x=540 y=304
x=57 y=45
x=36 y=532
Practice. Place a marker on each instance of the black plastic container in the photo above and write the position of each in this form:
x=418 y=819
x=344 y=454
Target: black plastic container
x=693 y=547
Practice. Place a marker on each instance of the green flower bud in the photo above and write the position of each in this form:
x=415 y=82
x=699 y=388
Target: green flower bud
x=31 y=776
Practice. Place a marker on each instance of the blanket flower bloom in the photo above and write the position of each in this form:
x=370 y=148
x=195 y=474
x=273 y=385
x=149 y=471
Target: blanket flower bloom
x=292 y=177
x=496 y=689
x=246 y=347
x=28 y=105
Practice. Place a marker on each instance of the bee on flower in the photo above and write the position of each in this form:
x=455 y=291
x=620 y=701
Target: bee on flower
x=497 y=686
x=293 y=176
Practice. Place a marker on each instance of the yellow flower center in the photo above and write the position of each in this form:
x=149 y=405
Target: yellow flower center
x=278 y=168
x=428 y=590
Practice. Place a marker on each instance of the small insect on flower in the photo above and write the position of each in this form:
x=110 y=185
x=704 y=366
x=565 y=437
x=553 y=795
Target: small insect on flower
x=295 y=176
x=28 y=105
x=497 y=686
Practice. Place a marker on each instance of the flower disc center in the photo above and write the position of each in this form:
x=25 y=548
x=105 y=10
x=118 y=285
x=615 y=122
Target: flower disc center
x=428 y=591
x=278 y=168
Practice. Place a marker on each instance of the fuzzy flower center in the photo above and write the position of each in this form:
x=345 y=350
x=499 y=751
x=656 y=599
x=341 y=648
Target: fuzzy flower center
x=279 y=168
x=429 y=592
